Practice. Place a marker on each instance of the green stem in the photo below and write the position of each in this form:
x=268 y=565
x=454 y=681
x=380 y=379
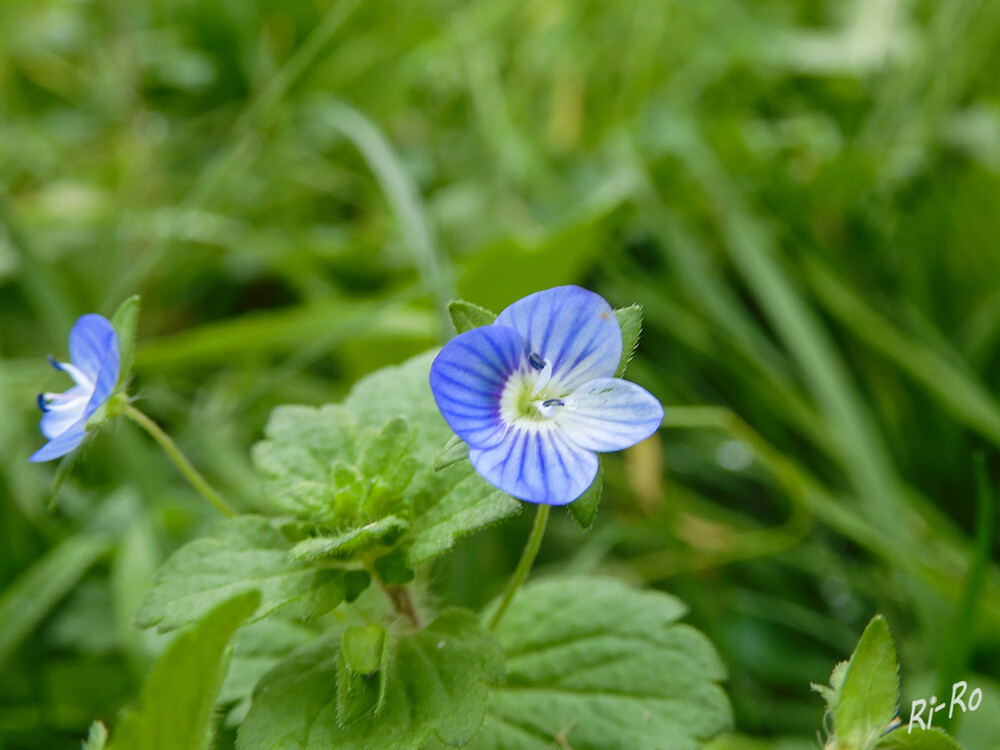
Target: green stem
x=527 y=560
x=180 y=460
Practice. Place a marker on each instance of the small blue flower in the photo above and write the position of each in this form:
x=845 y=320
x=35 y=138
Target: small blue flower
x=535 y=397
x=93 y=351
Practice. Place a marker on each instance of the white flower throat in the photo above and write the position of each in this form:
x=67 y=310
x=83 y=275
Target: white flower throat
x=529 y=397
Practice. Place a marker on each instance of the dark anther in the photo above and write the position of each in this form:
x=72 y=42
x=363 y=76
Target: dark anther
x=553 y=402
x=42 y=404
x=535 y=361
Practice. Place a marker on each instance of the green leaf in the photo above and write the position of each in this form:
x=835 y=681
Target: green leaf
x=584 y=508
x=392 y=568
x=402 y=391
x=125 y=321
x=304 y=441
x=383 y=531
x=471 y=505
x=257 y=648
x=240 y=554
x=465 y=315
x=867 y=700
x=177 y=702
x=97 y=737
x=385 y=459
x=918 y=739
x=454 y=451
x=630 y=320
x=436 y=687
x=594 y=664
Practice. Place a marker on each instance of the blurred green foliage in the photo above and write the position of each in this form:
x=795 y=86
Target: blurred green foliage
x=802 y=195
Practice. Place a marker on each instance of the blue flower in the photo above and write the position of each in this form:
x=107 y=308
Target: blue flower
x=535 y=397
x=93 y=351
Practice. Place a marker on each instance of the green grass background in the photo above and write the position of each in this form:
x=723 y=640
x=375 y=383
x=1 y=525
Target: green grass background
x=803 y=194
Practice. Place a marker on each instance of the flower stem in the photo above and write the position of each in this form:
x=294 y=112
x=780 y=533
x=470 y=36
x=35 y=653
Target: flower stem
x=527 y=560
x=180 y=460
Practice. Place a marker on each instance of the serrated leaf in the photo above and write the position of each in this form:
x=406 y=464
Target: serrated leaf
x=867 y=700
x=257 y=648
x=352 y=541
x=436 y=687
x=630 y=321
x=454 y=450
x=304 y=441
x=125 y=321
x=240 y=554
x=918 y=739
x=465 y=315
x=386 y=461
x=471 y=505
x=594 y=664
x=402 y=391
x=177 y=702
x=584 y=508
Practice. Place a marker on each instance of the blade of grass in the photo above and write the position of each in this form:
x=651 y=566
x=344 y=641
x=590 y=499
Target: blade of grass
x=957 y=646
x=26 y=601
x=966 y=399
x=404 y=200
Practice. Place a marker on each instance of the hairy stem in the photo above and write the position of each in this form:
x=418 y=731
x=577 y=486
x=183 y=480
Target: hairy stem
x=180 y=460
x=527 y=560
x=402 y=601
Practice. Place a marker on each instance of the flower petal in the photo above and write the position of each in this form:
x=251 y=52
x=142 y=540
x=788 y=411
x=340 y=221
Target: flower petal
x=107 y=378
x=609 y=414
x=61 y=445
x=538 y=464
x=571 y=327
x=91 y=340
x=63 y=411
x=468 y=377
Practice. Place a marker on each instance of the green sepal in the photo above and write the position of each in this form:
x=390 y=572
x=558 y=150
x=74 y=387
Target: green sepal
x=125 y=321
x=454 y=451
x=630 y=321
x=465 y=315
x=584 y=508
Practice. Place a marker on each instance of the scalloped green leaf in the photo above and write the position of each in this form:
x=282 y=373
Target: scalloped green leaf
x=472 y=504
x=436 y=688
x=596 y=665
x=240 y=554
